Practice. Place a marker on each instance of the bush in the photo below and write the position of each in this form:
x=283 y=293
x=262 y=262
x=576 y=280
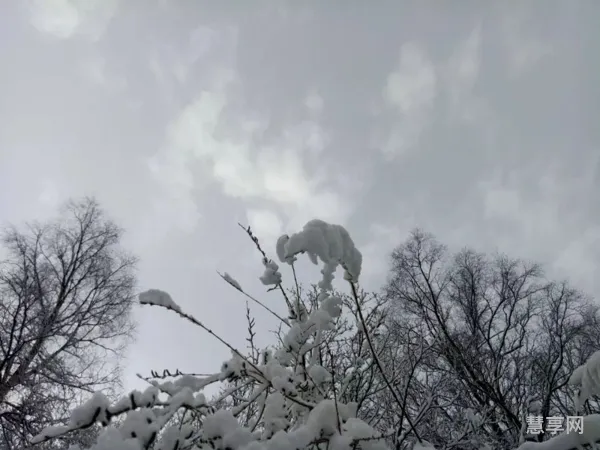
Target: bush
x=291 y=396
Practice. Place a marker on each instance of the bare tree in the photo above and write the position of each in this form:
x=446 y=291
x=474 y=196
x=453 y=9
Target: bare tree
x=503 y=335
x=66 y=292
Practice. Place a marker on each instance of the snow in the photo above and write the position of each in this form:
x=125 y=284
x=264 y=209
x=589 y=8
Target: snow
x=319 y=374
x=219 y=424
x=271 y=275
x=357 y=429
x=423 y=445
x=577 y=376
x=94 y=409
x=158 y=298
x=333 y=305
x=571 y=440
x=280 y=248
x=330 y=243
x=294 y=409
x=232 y=281
x=50 y=432
x=140 y=425
x=587 y=377
x=174 y=436
x=112 y=439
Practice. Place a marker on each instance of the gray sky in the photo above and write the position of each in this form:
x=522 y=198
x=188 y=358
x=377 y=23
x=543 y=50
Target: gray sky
x=476 y=120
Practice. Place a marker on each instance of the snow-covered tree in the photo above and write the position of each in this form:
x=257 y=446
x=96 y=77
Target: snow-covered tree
x=586 y=380
x=308 y=391
x=454 y=355
x=66 y=289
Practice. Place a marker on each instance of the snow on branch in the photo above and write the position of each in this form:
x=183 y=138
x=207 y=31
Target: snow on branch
x=231 y=281
x=587 y=379
x=332 y=244
x=158 y=298
x=287 y=400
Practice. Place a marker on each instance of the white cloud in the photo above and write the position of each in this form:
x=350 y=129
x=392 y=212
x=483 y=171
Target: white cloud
x=314 y=103
x=412 y=86
x=266 y=225
x=410 y=91
x=460 y=74
x=66 y=18
x=234 y=153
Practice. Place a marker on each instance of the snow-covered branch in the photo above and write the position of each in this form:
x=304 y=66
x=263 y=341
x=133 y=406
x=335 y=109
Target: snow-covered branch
x=288 y=397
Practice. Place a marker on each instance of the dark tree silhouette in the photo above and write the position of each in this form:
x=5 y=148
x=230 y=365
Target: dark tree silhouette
x=504 y=335
x=66 y=291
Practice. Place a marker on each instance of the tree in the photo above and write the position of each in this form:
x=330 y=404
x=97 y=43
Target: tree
x=298 y=394
x=455 y=353
x=506 y=338
x=66 y=292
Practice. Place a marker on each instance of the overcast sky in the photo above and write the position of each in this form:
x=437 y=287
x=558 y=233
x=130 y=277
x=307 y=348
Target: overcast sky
x=477 y=120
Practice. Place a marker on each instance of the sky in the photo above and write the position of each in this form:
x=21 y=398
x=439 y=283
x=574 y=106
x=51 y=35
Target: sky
x=475 y=120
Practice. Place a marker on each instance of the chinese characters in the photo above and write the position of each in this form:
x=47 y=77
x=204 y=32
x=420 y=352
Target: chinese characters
x=554 y=425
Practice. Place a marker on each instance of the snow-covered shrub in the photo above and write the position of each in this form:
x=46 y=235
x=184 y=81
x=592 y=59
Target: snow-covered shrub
x=277 y=399
x=586 y=379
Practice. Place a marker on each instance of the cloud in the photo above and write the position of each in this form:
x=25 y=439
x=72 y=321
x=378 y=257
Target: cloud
x=522 y=48
x=410 y=92
x=460 y=74
x=94 y=70
x=66 y=18
x=501 y=200
x=204 y=39
x=381 y=241
x=412 y=86
x=539 y=212
x=525 y=53
x=520 y=217
x=234 y=151
x=314 y=103
x=266 y=225
x=215 y=47
x=580 y=258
